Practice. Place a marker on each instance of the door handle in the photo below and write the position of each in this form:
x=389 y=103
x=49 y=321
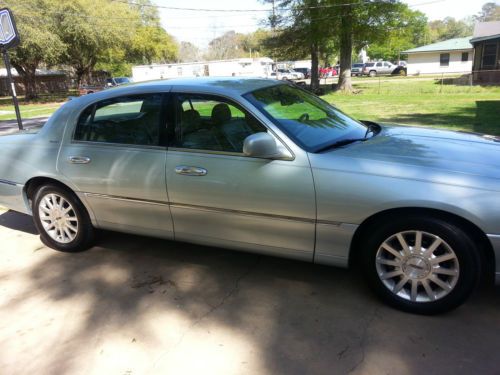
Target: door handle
x=79 y=159
x=190 y=171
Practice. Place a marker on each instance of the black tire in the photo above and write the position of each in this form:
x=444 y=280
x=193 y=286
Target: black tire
x=85 y=234
x=372 y=73
x=467 y=256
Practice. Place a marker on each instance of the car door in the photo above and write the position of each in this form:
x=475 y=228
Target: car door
x=115 y=157
x=218 y=196
x=379 y=67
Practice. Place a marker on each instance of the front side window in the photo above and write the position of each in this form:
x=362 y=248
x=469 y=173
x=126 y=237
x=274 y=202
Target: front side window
x=311 y=122
x=379 y=65
x=133 y=119
x=206 y=122
x=444 y=59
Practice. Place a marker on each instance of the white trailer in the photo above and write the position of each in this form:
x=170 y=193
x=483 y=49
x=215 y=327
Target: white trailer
x=244 y=67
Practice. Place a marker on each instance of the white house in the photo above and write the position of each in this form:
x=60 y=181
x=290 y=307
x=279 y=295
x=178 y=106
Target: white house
x=449 y=56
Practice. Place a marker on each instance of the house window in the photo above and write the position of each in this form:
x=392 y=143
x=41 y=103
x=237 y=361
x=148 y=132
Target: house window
x=489 y=55
x=465 y=56
x=444 y=59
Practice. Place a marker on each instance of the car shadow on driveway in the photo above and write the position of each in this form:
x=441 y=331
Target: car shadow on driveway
x=143 y=305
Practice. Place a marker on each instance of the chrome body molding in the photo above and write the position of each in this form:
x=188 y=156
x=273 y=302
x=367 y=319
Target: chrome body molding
x=495 y=242
x=7 y=182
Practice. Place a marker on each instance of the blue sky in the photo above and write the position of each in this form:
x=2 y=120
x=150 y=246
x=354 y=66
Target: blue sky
x=200 y=27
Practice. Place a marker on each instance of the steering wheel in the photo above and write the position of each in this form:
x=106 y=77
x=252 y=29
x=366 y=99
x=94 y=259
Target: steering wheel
x=304 y=117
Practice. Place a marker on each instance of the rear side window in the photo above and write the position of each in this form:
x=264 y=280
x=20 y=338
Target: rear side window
x=369 y=65
x=131 y=120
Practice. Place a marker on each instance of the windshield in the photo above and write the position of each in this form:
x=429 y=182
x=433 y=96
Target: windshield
x=311 y=122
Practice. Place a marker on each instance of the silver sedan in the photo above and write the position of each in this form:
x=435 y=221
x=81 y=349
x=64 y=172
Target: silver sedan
x=263 y=166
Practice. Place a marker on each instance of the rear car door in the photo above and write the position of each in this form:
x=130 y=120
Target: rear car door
x=221 y=197
x=115 y=156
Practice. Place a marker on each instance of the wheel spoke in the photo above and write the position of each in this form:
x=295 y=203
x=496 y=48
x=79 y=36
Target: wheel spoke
x=71 y=227
x=65 y=228
x=400 y=285
x=418 y=242
x=445 y=271
x=440 y=283
x=391 y=250
x=404 y=244
x=438 y=241
x=390 y=275
x=388 y=262
x=443 y=258
x=414 y=288
x=428 y=290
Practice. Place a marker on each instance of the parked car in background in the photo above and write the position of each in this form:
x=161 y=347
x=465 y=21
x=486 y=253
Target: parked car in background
x=89 y=89
x=288 y=74
x=400 y=71
x=357 y=69
x=117 y=81
x=373 y=69
x=264 y=166
x=328 y=72
x=305 y=71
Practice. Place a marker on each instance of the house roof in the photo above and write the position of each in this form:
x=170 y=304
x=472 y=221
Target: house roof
x=485 y=31
x=445 y=45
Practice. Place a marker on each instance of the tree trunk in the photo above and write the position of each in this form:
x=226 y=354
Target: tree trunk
x=345 y=84
x=28 y=76
x=314 y=67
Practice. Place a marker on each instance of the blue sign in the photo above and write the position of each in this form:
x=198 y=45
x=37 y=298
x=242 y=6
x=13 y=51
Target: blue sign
x=9 y=37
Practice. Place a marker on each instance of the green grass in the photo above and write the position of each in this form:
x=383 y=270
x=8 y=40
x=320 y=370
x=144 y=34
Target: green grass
x=423 y=102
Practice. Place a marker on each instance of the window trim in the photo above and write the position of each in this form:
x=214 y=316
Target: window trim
x=441 y=60
x=162 y=122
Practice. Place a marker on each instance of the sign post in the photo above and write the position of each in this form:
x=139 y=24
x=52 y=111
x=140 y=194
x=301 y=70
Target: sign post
x=9 y=38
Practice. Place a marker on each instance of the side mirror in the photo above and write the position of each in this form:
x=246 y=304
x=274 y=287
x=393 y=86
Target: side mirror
x=263 y=145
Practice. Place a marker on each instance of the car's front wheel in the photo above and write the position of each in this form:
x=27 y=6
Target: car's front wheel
x=61 y=219
x=421 y=265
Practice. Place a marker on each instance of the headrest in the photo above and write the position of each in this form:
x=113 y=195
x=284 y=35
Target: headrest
x=221 y=114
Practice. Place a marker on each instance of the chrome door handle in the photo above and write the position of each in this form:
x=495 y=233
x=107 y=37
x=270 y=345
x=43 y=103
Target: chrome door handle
x=190 y=171
x=79 y=159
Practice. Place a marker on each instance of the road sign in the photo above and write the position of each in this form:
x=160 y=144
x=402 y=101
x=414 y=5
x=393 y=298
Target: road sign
x=9 y=37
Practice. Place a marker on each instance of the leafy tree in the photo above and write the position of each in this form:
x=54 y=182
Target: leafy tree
x=411 y=32
x=188 y=52
x=39 y=45
x=152 y=44
x=227 y=46
x=489 y=12
x=448 y=28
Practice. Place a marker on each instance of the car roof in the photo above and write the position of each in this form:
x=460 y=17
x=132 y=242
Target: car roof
x=230 y=86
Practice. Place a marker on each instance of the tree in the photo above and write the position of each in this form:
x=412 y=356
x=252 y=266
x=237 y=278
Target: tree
x=448 y=28
x=411 y=32
x=188 y=52
x=39 y=45
x=152 y=44
x=227 y=46
x=489 y=12
x=362 y=23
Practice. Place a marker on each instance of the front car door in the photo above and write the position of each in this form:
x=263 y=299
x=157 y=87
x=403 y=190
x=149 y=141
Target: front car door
x=218 y=196
x=114 y=154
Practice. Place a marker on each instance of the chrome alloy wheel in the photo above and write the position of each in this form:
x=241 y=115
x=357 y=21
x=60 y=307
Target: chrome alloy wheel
x=417 y=266
x=58 y=218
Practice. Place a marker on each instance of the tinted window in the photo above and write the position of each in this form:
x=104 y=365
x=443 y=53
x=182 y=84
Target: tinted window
x=379 y=64
x=308 y=120
x=128 y=120
x=207 y=122
x=444 y=59
x=369 y=65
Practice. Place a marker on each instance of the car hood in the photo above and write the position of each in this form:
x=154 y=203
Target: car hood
x=449 y=157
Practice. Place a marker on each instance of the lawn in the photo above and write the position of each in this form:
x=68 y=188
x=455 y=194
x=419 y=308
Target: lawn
x=423 y=102
x=412 y=101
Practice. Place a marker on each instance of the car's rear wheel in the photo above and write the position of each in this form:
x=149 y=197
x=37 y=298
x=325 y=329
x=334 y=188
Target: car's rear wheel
x=61 y=219
x=372 y=73
x=421 y=265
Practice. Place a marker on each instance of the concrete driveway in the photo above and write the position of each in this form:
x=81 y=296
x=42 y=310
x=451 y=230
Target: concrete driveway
x=136 y=305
